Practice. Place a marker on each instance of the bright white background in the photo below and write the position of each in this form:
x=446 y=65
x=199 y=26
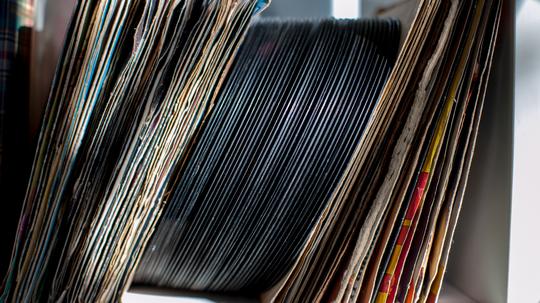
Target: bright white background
x=524 y=279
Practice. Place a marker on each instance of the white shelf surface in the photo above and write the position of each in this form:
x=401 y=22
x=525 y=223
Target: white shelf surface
x=156 y=295
x=449 y=294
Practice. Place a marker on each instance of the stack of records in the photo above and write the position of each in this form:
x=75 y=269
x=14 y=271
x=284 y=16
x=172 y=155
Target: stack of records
x=385 y=233
x=286 y=124
x=293 y=160
x=134 y=83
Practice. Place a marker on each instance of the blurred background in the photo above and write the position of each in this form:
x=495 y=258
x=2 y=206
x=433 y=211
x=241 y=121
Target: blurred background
x=525 y=252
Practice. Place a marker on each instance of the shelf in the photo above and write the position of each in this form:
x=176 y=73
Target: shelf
x=449 y=294
x=154 y=295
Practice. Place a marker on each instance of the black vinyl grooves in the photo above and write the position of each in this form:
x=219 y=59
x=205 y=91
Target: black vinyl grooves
x=268 y=157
